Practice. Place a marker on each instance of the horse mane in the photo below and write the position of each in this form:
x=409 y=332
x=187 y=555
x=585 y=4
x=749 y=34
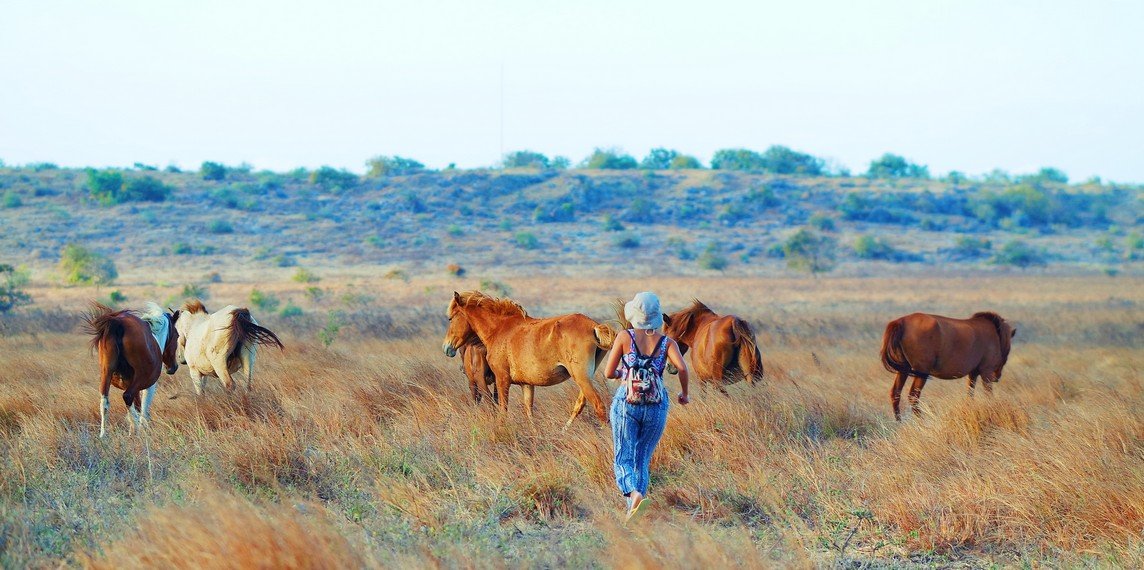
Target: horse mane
x=681 y=320
x=156 y=318
x=498 y=305
x=998 y=323
x=194 y=306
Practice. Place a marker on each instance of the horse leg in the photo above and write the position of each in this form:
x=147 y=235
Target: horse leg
x=987 y=381
x=528 y=393
x=502 y=391
x=583 y=379
x=576 y=409
x=896 y=394
x=198 y=382
x=248 y=356
x=148 y=395
x=916 y=394
x=972 y=383
x=131 y=398
x=224 y=373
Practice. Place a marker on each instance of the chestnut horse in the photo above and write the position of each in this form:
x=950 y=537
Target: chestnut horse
x=132 y=352
x=528 y=351
x=219 y=344
x=922 y=345
x=474 y=362
x=724 y=347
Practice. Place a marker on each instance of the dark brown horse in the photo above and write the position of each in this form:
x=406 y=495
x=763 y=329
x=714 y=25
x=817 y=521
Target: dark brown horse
x=922 y=345
x=528 y=351
x=724 y=348
x=133 y=347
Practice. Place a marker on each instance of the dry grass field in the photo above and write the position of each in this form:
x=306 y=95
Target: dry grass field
x=370 y=453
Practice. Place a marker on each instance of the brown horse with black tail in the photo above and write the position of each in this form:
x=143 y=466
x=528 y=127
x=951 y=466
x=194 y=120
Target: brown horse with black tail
x=133 y=348
x=529 y=351
x=724 y=348
x=922 y=345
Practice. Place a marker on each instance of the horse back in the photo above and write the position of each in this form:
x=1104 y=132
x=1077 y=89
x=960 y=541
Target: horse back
x=945 y=347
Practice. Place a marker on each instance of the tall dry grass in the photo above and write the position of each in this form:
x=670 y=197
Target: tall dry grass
x=370 y=453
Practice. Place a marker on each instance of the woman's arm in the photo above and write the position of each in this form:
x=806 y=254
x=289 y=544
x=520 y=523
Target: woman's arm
x=676 y=358
x=611 y=367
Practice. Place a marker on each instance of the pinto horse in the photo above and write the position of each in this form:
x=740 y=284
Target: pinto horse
x=528 y=351
x=724 y=346
x=133 y=348
x=922 y=345
x=218 y=344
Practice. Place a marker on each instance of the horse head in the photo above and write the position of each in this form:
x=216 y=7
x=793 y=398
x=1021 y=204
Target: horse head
x=459 y=333
x=171 y=349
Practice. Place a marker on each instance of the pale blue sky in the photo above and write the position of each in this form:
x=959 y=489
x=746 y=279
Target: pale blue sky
x=967 y=85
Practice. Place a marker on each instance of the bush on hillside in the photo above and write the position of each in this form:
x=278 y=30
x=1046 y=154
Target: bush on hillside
x=12 y=282
x=894 y=166
x=81 y=266
x=380 y=166
x=809 y=251
x=609 y=159
x=525 y=159
x=1017 y=253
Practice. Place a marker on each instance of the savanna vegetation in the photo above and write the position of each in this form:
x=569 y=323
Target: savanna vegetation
x=360 y=446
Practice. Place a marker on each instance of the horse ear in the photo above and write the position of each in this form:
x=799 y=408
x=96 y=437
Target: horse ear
x=456 y=297
x=667 y=320
x=1014 y=333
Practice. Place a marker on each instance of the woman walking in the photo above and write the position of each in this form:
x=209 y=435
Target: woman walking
x=639 y=409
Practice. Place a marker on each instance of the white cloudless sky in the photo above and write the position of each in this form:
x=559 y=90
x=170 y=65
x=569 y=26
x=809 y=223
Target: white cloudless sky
x=956 y=85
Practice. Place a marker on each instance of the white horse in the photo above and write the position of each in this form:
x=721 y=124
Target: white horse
x=218 y=344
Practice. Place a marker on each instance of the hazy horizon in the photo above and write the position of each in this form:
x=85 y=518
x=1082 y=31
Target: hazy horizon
x=968 y=86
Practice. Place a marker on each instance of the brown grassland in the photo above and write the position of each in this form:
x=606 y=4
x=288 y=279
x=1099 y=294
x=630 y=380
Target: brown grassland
x=370 y=453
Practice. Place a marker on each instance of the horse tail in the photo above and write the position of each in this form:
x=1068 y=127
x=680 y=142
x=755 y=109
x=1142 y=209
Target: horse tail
x=750 y=358
x=106 y=332
x=605 y=337
x=893 y=357
x=243 y=331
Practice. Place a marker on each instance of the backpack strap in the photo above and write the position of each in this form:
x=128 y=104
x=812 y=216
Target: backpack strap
x=635 y=345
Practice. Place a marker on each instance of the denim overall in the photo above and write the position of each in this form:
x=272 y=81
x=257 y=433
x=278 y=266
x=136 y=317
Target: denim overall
x=636 y=428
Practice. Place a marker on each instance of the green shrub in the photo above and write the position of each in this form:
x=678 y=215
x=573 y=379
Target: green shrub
x=894 y=166
x=454 y=230
x=106 y=186
x=526 y=240
x=808 y=251
x=12 y=200
x=495 y=287
x=611 y=224
x=869 y=247
x=968 y=247
x=685 y=162
x=195 y=291
x=146 y=189
x=330 y=178
x=525 y=159
x=678 y=246
x=81 y=266
x=290 y=311
x=626 y=240
x=609 y=159
x=115 y=297
x=505 y=225
x=712 y=258
x=329 y=333
x=267 y=302
x=303 y=275
x=380 y=166
x=212 y=171
x=659 y=159
x=315 y=294
x=12 y=282
x=1020 y=254
x=220 y=227
x=182 y=248
x=822 y=223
